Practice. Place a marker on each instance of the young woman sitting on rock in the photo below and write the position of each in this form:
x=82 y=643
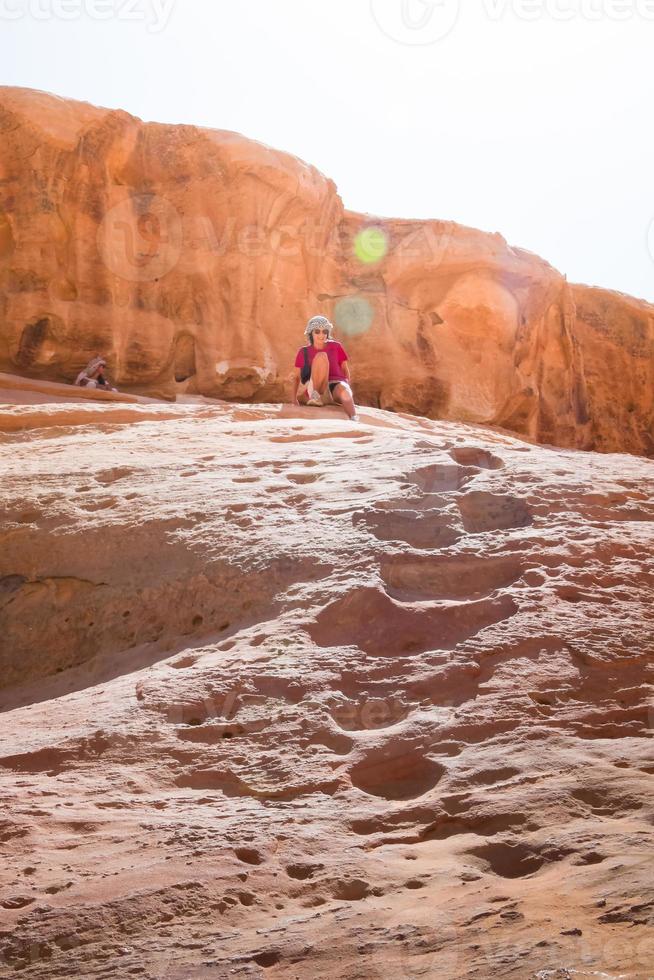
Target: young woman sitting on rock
x=93 y=376
x=322 y=370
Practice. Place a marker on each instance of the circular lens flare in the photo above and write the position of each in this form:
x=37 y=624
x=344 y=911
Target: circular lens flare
x=354 y=315
x=371 y=245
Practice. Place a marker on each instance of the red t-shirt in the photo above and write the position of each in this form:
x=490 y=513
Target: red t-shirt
x=336 y=354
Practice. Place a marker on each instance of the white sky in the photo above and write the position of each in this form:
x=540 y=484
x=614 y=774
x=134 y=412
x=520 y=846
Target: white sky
x=530 y=117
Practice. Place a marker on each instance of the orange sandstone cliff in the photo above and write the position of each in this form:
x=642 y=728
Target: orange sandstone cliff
x=283 y=695
x=192 y=258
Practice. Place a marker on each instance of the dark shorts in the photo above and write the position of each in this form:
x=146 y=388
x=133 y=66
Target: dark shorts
x=332 y=385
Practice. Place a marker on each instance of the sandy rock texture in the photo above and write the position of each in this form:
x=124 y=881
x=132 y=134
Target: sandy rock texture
x=192 y=258
x=15 y=390
x=288 y=696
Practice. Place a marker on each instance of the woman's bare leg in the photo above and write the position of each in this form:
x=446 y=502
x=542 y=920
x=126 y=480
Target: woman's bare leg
x=341 y=394
x=320 y=373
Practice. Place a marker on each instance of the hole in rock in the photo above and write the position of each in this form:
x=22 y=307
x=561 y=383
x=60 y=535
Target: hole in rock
x=484 y=826
x=514 y=860
x=369 y=714
x=183 y=663
x=483 y=511
x=381 y=627
x=338 y=744
x=209 y=734
x=441 y=477
x=590 y=857
x=431 y=530
x=488 y=777
x=367 y=827
x=351 y=890
x=395 y=773
x=184 y=366
x=11 y=583
x=248 y=855
x=463 y=577
x=33 y=337
x=302 y=871
x=51 y=761
x=603 y=803
x=472 y=456
x=107 y=477
x=302 y=478
x=267 y=959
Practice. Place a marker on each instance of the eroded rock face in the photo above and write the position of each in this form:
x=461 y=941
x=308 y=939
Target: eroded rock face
x=285 y=695
x=192 y=258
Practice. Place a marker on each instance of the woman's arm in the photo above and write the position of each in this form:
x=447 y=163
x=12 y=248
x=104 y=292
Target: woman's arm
x=296 y=385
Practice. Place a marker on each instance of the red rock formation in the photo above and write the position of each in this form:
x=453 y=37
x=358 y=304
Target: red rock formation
x=192 y=258
x=285 y=696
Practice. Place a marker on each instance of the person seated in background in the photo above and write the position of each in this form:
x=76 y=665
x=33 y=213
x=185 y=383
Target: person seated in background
x=93 y=375
x=322 y=368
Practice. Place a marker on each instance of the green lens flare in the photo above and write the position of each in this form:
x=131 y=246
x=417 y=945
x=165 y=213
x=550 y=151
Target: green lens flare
x=354 y=316
x=371 y=245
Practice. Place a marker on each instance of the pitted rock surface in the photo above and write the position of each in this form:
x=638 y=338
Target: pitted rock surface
x=289 y=696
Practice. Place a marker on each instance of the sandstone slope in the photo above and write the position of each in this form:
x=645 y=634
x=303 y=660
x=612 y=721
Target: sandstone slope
x=287 y=696
x=193 y=257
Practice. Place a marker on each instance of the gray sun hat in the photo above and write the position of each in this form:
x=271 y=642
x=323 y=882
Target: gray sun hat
x=318 y=321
